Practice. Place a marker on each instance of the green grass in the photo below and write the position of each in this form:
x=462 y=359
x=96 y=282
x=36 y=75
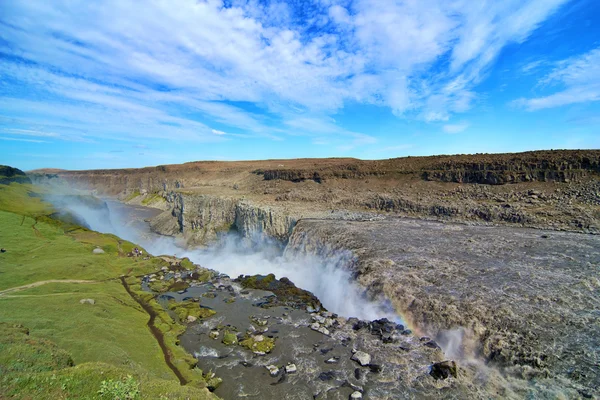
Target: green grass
x=106 y=341
x=37 y=251
x=23 y=199
x=153 y=198
x=132 y=195
x=112 y=331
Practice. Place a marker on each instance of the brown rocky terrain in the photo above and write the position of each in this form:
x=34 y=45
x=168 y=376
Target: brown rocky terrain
x=463 y=265
x=546 y=189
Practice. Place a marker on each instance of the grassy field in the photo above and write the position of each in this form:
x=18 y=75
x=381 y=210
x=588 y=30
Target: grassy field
x=68 y=349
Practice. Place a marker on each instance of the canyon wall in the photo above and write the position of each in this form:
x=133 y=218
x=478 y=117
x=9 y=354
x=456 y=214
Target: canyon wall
x=200 y=218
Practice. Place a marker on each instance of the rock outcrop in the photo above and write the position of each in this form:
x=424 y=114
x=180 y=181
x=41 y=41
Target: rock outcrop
x=200 y=218
x=9 y=175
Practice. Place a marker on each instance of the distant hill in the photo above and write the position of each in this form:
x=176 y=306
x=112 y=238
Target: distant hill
x=10 y=174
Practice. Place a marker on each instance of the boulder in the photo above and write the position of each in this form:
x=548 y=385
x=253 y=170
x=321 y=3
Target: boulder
x=191 y=318
x=356 y=395
x=362 y=358
x=87 y=301
x=291 y=368
x=97 y=250
x=273 y=370
x=443 y=370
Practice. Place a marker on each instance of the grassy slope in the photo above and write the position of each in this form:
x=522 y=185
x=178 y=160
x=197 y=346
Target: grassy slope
x=109 y=339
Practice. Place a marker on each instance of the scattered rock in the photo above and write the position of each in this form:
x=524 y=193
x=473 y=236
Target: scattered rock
x=291 y=368
x=443 y=370
x=191 y=318
x=273 y=370
x=229 y=339
x=327 y=376
x=362 y=358
x=332 y=360
x=375 y=368
x=356 y=395
x=432 y=344
x=87 y=301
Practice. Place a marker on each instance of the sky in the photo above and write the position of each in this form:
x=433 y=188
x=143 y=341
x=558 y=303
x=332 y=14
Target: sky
x=120 y=83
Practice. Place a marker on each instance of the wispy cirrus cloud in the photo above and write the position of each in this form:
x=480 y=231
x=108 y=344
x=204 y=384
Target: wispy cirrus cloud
x=456 y=128
x=577 y=80
x=185 y=69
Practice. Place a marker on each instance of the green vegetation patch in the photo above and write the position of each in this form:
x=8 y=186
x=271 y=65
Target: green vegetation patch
x=153 y=198
x=53 y=283
x=229 y=338
x=265 y=344
x=286 y=293
x=185 y=309
x=32 y=368
x=132 y=195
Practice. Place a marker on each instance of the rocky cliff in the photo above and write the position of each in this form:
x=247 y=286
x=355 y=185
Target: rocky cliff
x=200 y=218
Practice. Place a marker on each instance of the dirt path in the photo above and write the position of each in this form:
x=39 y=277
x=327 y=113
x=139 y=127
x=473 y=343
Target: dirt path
x=40 y=283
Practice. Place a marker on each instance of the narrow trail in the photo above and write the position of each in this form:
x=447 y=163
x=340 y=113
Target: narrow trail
x=40 y=283
x=158 y=335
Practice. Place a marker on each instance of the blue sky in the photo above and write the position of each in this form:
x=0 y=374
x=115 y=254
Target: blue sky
x=118 y=83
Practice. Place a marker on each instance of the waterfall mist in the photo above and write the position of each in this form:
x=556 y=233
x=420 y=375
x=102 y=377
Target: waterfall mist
x=234 y=255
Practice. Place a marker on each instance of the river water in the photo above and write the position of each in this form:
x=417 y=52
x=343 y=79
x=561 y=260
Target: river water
x=234 y=256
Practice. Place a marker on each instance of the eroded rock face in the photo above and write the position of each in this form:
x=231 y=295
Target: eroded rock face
x=200 y=218
x=507 y=295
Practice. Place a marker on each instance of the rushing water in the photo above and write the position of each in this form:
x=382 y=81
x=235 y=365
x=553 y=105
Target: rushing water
x=235 y=256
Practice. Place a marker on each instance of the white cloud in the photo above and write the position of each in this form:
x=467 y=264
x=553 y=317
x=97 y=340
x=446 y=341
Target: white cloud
x=114 y=69
x=217 y=132
x=579 y=79
x=23 y=140
x=456 y=128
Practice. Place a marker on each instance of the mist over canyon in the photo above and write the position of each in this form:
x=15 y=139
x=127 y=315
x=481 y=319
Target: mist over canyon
x=234 y=255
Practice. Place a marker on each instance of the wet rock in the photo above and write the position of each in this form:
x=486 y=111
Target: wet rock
x=321 y=329
x=390 y=338
x=191 y=318
x=273 y=370
x=432 y=344
x=327 y=376
x=356 y=395
x=259 y=344
x=405 y=346
x=375 y=368
x=87 y=301
x=359 y=373
x=229 y=339
x=362 y=358
x=443 y=370
x=291 y=369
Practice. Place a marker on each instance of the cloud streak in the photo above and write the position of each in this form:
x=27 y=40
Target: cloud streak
x=578 y=79
x=188 y=70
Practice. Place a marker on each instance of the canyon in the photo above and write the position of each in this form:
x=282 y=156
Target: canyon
x=494 y=257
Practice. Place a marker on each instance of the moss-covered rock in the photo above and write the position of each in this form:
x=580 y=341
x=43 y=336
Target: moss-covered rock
x=188 y=308
x=286 y=293
x=258 y=343
x=229 y=338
